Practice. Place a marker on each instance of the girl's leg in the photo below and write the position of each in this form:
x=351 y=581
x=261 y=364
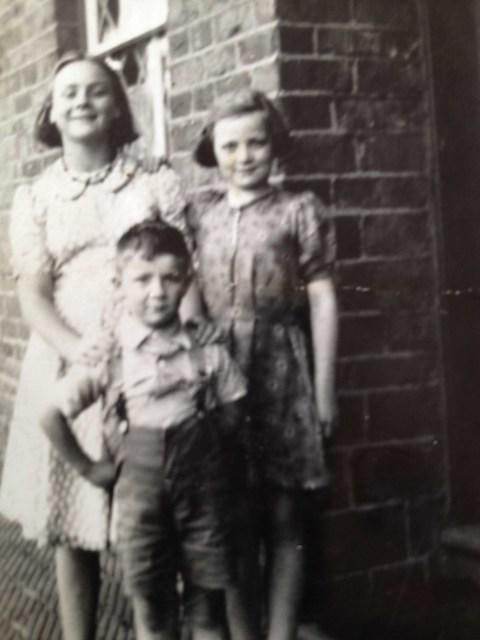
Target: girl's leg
x=285 y=558
x=78 y=584
x=244 y=599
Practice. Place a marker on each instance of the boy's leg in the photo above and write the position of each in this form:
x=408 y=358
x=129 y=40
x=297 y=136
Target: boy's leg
x=155 y=618
x=285 y=556
x=205 y=612
x=78 y=583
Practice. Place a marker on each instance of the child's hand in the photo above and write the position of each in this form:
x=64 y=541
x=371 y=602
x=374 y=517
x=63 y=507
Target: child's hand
x=102 y=473
x=91 y=351
x=327 y=410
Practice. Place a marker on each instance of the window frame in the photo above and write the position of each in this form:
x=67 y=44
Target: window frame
x=97 y=48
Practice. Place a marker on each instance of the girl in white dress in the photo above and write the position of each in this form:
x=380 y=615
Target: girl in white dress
x=63 y=231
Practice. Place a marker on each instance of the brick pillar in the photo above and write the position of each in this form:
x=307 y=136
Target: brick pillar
x=352 y=77
x=354 y=82
x=32 y=34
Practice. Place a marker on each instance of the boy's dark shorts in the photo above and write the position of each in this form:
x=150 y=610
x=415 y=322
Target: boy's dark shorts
x=172 y=513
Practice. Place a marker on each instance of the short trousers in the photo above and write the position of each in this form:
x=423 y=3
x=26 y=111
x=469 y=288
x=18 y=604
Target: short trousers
x=172 y=516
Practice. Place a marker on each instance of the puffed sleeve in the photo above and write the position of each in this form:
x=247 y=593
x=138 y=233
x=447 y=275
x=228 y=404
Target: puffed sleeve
x=199 y=204
x=315 y=236
x=27 y=234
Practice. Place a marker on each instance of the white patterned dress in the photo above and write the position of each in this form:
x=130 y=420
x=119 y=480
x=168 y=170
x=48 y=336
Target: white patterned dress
x=68 y=227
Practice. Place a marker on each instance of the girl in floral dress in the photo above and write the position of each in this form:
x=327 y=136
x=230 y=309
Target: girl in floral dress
x=264 y=255
x=64 y=228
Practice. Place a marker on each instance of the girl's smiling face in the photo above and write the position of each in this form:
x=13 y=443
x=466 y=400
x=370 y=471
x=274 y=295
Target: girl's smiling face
x=243 y=149
x=83 y=102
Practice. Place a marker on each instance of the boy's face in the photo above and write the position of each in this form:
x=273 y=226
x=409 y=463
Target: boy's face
x=153 y=289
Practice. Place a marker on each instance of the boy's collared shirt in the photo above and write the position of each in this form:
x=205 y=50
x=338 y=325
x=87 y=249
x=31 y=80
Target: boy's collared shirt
x=165 y=379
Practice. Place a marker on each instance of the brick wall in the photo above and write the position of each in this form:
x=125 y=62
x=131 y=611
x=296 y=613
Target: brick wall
x=352 y=77
x=32 y=32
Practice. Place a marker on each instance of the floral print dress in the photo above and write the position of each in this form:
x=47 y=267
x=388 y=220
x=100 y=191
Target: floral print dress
x=67 y=226
x=254 y=265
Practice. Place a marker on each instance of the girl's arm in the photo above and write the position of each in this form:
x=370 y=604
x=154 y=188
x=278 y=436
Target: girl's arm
x=323 y=319
x=35 y=293
x=101 y=473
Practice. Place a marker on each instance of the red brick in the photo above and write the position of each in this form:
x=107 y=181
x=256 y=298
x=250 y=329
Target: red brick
x=319 y=186
x=403 y=472
x=323 y=153
x=203 y=98
x=181 y=104
x=355 y=113
x=307 y=112
x=358 y=540
x=265 y=77
x=202 y=35
x=408 y=331
x=179 y=44
x=296 y=39
x=347 y=235
x=333 y=42
x=381 y=192
x=234 y=21
x=187 y=72
x=351 y=420
x=388 y=44
x=403 y=414
x=399 y=152
x=396 y=235
x=339 y=490
x=387 y=371
x=314 y=10
x=386 y=13
x=365 y=334
x=391 y=285
x=390 y=78
x=185 y=136
x=321 y=75
x=265 y=11
x=425 y=520
x=219 y=61
x=258 y=46
x=241 y=80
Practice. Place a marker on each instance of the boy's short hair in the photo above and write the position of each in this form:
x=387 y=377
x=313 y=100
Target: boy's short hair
x=152 y=239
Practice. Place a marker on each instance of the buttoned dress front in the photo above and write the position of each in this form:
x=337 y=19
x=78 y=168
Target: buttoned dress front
x=254 y=265
x=68 y=228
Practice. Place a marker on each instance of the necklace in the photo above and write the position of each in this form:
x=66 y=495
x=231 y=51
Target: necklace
x=89 y=177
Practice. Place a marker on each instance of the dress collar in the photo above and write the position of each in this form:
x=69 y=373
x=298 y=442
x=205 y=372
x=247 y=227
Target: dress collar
x=72 y=185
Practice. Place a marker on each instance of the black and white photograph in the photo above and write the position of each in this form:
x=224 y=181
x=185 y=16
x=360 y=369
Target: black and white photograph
x=239 y=319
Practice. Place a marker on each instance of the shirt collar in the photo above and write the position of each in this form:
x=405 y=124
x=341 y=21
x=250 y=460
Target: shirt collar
x=134 y=335
x=69 y=188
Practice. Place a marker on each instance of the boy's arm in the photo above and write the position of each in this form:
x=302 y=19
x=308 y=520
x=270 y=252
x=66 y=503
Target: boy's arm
x=73 y=397
x=323 y=320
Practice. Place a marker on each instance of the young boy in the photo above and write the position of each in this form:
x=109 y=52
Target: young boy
x=169 y=496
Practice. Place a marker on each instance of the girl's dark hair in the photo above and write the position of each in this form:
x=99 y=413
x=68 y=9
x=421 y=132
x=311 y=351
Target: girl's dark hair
x=122 y=130
x=236 y=104
x=152 y=239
